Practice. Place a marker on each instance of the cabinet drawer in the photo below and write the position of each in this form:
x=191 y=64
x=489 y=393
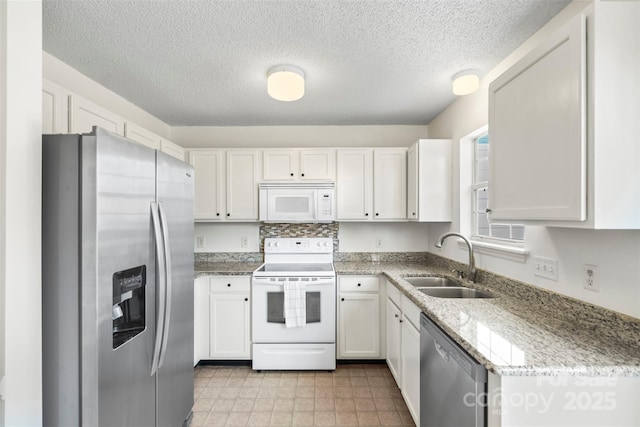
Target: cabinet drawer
x=411 y=311
x=359 y=283
x=230 y=284
x=394 y=294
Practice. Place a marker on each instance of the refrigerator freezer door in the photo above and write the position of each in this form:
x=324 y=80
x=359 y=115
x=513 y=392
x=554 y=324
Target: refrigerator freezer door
x=175 y=374
x=124 y=188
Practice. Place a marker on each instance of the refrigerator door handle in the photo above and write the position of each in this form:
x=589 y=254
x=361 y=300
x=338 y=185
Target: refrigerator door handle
x=168 y=282
x=162 y=278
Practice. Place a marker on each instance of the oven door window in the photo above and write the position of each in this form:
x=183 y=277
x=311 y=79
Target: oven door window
x=275 y=307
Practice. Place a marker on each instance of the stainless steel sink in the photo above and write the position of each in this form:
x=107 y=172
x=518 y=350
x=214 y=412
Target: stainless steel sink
x=430 y=281
x=451 y=292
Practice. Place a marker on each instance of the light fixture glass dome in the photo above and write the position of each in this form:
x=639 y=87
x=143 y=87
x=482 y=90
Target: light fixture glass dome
x=285 y=83
x=465 y=82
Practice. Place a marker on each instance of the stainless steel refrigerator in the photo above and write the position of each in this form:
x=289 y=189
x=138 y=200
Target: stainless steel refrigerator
x=117 y=283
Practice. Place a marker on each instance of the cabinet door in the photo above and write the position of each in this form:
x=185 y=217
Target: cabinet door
x=317 y=164
x=359 y=325
x=229 y=325
x=279 y=165
x=141 y=136
x=55 y=109
x=242 y=185
x=390 y=183
x=208 y=184
x=537 y=132
x=201 y=319
x=412 y=182
x=83 y=115
x=394 y=340
x=410 y=368
x=354 y=184
x=172 y=149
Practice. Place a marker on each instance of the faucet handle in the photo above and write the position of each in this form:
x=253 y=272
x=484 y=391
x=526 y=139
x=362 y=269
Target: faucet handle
x=459 y=274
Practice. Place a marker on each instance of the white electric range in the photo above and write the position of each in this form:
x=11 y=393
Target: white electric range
x=312 y=346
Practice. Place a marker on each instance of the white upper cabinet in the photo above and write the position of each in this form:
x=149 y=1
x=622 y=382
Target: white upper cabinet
x=84 y=115
x=172 y=149
x=354 y=184
x=298 y=164
x=390 y=183
x=141 y=136
x=371 y=184
x=564 y=126
x=55 y=108
x=226 y=184
x=242 y=185
x=151 y=140
x=317 y=164
x=209 y=184
x=429 y=180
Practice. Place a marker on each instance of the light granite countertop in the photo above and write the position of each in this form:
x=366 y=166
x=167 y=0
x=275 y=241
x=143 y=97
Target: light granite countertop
x=523 y=331
x=519 y=335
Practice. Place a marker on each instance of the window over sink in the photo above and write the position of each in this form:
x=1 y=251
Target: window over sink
x=495 y=238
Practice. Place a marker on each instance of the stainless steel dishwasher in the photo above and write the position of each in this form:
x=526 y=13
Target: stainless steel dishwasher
x=452 y=384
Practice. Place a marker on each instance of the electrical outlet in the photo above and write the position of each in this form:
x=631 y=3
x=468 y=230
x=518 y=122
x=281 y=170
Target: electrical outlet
x=545 y=267
x=244 y=242
x=200 y=242
x=590 y=277
x=379 y=242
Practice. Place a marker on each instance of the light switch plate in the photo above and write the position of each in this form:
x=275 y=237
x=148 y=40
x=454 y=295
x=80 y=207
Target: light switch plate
x=545 y=267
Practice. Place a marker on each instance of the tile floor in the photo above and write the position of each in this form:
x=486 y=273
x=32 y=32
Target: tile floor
x=352 y=395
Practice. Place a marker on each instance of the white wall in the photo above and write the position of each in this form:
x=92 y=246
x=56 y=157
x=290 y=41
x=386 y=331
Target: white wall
x=20 y=143
x=71 y=79
x=354 y=237
x=617 y=253
x=296 y=136
x=396 y=237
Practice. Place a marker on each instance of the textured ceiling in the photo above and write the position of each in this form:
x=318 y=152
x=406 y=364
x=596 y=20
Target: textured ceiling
x=366 y=62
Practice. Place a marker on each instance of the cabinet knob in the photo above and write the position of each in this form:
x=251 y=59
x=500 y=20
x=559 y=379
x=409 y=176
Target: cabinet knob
x=218 y=214
x=359 y=284
x=291 y=173
x=228 y=214
x=487 y=210
x=400 y=320
x=414 y=214
x=341 y=299
x=396 y=315
x=377 y=214
x=229 y=285
x=302 y=174
x=367 y=214
x=246 y=299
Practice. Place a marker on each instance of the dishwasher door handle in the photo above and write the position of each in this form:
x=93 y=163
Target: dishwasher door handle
x=441 y=351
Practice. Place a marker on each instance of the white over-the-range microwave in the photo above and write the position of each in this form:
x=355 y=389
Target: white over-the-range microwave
x=297 y=202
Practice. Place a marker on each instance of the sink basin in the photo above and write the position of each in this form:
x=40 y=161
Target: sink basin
x=432 y=282
x=451 y=292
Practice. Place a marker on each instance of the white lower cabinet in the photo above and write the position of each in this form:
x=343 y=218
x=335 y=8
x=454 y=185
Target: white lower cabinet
x=359 y=320
x=394 y=332
x=403 y=347
x=222 y=318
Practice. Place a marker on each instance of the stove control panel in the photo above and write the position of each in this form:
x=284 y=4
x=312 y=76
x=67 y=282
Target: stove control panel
x=287 y=245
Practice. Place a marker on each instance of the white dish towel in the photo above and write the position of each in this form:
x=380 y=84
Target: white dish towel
x=295 y=304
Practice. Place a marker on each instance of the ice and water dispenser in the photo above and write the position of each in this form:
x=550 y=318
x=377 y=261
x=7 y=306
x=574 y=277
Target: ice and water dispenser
x=128 y=304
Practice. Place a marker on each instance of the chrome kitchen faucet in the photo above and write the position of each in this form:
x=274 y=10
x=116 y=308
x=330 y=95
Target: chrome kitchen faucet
x=471 y=273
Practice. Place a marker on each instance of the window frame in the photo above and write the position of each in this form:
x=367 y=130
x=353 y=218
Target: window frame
x=507 y=248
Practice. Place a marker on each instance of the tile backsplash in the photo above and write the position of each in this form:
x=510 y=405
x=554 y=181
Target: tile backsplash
x=299 y=230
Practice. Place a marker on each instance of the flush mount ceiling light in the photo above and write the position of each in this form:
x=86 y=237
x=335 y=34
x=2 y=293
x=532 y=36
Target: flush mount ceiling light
x=465 y=82
x=285 y=83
